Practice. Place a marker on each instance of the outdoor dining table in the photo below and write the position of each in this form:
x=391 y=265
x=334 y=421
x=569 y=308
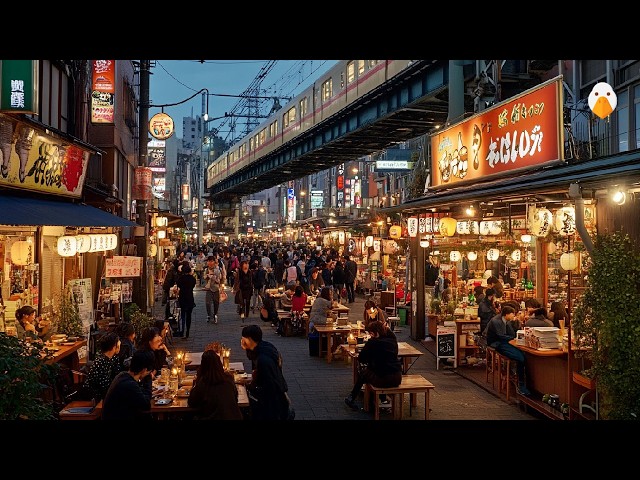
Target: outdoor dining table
x=66 y=353
x=179 y=405
x=406 y=353
x=329 y=331
x=192 y=361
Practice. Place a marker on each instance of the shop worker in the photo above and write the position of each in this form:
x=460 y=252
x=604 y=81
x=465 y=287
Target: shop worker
x=499 y=332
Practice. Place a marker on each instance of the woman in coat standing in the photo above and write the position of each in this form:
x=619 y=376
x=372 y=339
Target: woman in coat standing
x=339 y=278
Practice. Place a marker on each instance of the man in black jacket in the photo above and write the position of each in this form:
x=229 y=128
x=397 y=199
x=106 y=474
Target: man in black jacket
x=268 y=387
x=487 y=309
x=127 y=397
x=379 y=362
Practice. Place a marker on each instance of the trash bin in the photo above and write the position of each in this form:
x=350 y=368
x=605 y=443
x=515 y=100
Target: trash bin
x=402 y=313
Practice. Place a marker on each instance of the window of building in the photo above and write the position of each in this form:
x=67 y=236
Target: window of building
x=622 y=113
x=327 y=90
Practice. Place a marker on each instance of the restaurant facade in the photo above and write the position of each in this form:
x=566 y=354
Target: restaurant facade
x=504 y=201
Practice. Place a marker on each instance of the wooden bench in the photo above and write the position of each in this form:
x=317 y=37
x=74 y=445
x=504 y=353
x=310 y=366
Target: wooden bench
x=411 y=384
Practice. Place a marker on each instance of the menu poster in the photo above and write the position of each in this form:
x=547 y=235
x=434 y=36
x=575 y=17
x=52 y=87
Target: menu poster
x=116 y=292
x=123 y=266
x=127 y=291
x=82 y=294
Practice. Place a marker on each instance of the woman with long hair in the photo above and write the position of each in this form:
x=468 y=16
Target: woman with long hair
x=214 y=394
x=558 y=312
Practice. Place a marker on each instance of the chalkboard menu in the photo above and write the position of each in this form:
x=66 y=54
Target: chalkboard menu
x=445 y=343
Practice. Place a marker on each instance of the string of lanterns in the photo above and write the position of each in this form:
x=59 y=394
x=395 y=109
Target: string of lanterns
x=69 y=245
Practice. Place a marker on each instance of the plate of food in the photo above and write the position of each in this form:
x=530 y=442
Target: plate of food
x=68 y=344
x=163 y=401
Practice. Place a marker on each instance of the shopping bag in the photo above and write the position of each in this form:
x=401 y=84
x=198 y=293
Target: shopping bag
x=223 y=295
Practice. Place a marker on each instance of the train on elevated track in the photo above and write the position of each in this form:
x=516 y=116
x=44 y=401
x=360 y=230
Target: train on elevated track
x=341 y=85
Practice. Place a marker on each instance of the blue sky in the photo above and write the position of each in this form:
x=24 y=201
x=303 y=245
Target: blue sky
x=173 y=81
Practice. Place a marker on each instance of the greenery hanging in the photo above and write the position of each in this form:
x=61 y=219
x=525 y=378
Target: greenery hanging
x=606 y=322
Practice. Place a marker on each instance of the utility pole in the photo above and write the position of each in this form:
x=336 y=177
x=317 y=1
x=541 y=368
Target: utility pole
x=141 y=286
x=201 y=171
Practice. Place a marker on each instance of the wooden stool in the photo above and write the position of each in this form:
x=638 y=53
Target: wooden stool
x=411 y=384
x=490 y=364
x=505 y=377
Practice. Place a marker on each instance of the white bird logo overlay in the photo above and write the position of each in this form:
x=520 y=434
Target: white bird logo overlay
x=602 y=99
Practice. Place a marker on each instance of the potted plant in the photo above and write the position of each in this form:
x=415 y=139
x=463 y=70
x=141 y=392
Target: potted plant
x=138 y=318
x=66 y=315
x=25 y=379
x=605 y=326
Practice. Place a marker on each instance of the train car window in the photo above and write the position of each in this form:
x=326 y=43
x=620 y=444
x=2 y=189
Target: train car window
x=351 y=72
x=304 y=106
x=289 y=117
x=360 y=67
x=251 y=145
x=256 y=141
x=262 y=136
x=327 y=90
x=373 y=63
x=273 y=129
x=243 y=149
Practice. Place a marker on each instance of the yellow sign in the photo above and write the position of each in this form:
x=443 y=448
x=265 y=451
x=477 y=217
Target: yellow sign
x=161 y=126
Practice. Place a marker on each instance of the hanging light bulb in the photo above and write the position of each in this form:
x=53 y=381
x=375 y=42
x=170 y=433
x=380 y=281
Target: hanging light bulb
x=526 y=238
x=455 y=256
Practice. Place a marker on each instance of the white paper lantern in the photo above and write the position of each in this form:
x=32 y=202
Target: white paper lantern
x=526 y=238
x=376 y=245
x=569 y=261
x=485 y=227
x=516 y=255
x=153 y=250
x=67 y=246
x=565 y=221
x=455 y=256
x=161 y=221
x=493 y=254
x=412 y=226
x=541 y=222
x=20 y=252
x=472 y=256
x=495 y=228
x=83 y=243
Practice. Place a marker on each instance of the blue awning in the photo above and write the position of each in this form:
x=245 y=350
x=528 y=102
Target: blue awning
x=16 y=210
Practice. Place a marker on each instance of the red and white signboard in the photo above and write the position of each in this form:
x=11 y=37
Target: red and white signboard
x=123 y=266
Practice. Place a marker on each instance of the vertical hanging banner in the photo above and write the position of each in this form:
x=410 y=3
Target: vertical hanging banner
x=19 y=86
x=142 y=184
x=103 y=91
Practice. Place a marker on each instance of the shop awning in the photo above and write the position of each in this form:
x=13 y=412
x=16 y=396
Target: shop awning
x=16 y=210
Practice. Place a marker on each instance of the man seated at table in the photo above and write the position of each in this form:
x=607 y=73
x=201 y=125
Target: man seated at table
x=373 y=313
x=127 y=398
x=499 y=333
x=286 y=298
x=378 y=361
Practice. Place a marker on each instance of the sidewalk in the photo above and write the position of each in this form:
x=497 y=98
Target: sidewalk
x=318 y=388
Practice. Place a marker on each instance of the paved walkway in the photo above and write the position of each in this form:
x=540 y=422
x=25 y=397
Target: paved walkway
x=318 y=388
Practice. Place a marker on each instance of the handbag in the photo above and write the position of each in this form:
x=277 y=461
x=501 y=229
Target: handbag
x=223 y=295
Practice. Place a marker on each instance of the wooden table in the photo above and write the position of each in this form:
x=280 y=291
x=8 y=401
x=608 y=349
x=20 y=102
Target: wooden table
x=68 y=354
x=329 y=331
x=194 y=359
x=405 y=353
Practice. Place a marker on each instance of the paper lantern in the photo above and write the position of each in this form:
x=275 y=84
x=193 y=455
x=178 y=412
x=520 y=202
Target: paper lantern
x=551 y=248
x=565 y=221
x=20 y=252
x=412 y=226
x=516 y=255
x=569 y=261
x=495 y=228
x=448 y=226
x=83 y=243
x=103 y=241
x=153 y=250
x=455 y=256
x=395 y=231
x=368 y=241
x=526 y=238
x=161 y=234
x=485 y=227
x=472 y=256
x=376 y=245
x=493 y=254
x=541 y=222
x=161 y=221
x=67 y=246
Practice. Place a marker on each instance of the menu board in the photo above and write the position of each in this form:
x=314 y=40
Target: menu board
x=123 y=266
x=445 y=344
